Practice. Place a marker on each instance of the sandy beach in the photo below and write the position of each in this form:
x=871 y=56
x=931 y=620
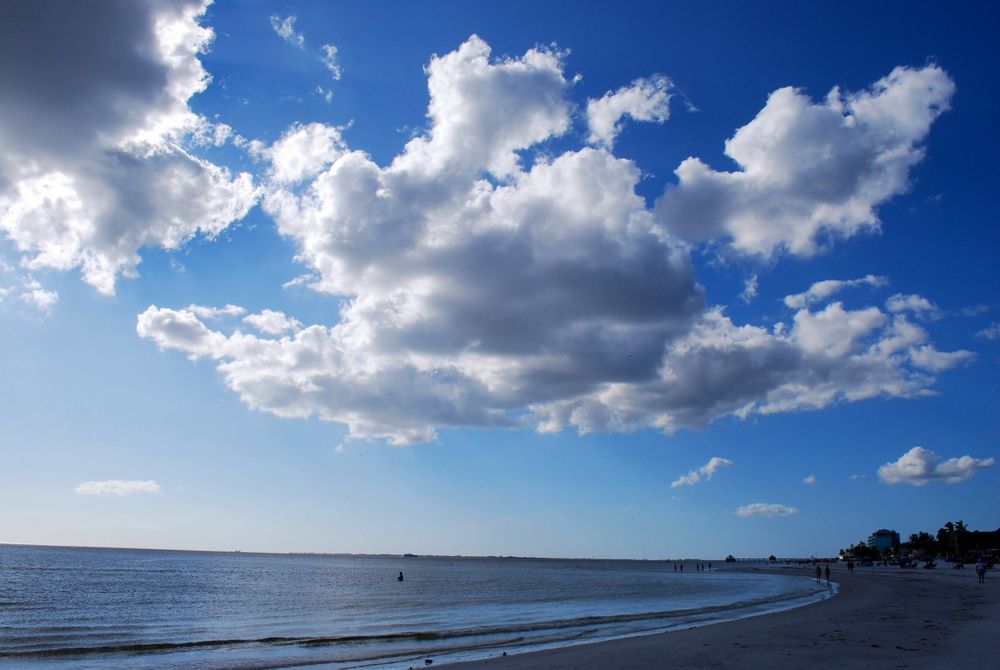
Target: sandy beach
x=883 y=617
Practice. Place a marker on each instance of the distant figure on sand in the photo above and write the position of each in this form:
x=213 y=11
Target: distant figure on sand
x=981 y=571
x=826 y=571
x=818 y=573
x=400 y=578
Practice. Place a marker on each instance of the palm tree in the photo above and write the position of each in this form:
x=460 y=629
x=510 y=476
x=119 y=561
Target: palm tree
x=960 y=529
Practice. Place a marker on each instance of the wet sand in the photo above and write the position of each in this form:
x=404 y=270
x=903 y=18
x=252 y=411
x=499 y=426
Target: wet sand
x=884 y=617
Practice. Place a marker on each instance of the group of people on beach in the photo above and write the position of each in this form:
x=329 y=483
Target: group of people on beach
x=820 y=573
x=698 y=566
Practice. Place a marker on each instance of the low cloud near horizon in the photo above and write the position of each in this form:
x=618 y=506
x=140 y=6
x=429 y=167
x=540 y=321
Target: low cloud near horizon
x=118 y=487
x=919 y=466
x=765 y=509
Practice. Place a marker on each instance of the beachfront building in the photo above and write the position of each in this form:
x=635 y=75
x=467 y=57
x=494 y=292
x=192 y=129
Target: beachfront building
x=884 y=541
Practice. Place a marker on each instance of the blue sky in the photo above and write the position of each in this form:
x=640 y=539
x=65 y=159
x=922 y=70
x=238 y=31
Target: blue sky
x=652 y=281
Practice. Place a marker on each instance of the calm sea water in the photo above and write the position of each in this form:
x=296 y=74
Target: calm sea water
x=111 y=608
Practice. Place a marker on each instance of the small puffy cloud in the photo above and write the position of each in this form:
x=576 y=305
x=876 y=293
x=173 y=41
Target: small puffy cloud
x=329 y=59
x=285 y=28
x=643 y=100
x=706 y=471
x=97 y=136
x=991 y=332
x=40 y=298
x=822 y=290
x=24 y=289
x=810 y=172
x=919 y=466
x=271 y=322
x=765 y=509
x=915 y=304
x=172 y=329
x=929 y=358
x=303 y=151
x=810 y=479
x=856 y=477
x=118 y=487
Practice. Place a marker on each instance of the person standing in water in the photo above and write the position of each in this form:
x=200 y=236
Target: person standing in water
x=400 y=578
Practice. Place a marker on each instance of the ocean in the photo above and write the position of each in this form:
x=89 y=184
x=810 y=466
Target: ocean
x=85 y=608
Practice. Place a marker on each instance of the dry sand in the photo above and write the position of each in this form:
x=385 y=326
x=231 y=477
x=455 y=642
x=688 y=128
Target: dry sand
x=884 y=617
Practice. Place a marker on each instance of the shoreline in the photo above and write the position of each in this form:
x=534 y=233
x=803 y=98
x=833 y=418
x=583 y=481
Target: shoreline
x=881 y=617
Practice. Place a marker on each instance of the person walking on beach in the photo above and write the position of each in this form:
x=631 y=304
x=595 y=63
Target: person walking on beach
x=981 y=571
x=818 y=573
x=826 y=571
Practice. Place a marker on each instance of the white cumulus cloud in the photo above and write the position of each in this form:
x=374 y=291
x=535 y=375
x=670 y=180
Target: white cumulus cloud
x=93 y=135
x=272 y=322
x=643 y=100
x=809 y=479
x=919 y=466
x=765 y=509
x=810 y=171
x=303 y=151
x=484 y=282
x=118 y=487
x=706 y=471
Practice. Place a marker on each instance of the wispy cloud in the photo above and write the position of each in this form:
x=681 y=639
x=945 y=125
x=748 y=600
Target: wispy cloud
x=215 y=312
x=765 y=509
x=917 y=304
x=749 y=289
x=285 y=28
x=919 y=466
x=822 y=290
x=706 y=471
x=643 y=100
x=991 y=332
x=118 y=487
x=329 y=59
x=810 y=479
